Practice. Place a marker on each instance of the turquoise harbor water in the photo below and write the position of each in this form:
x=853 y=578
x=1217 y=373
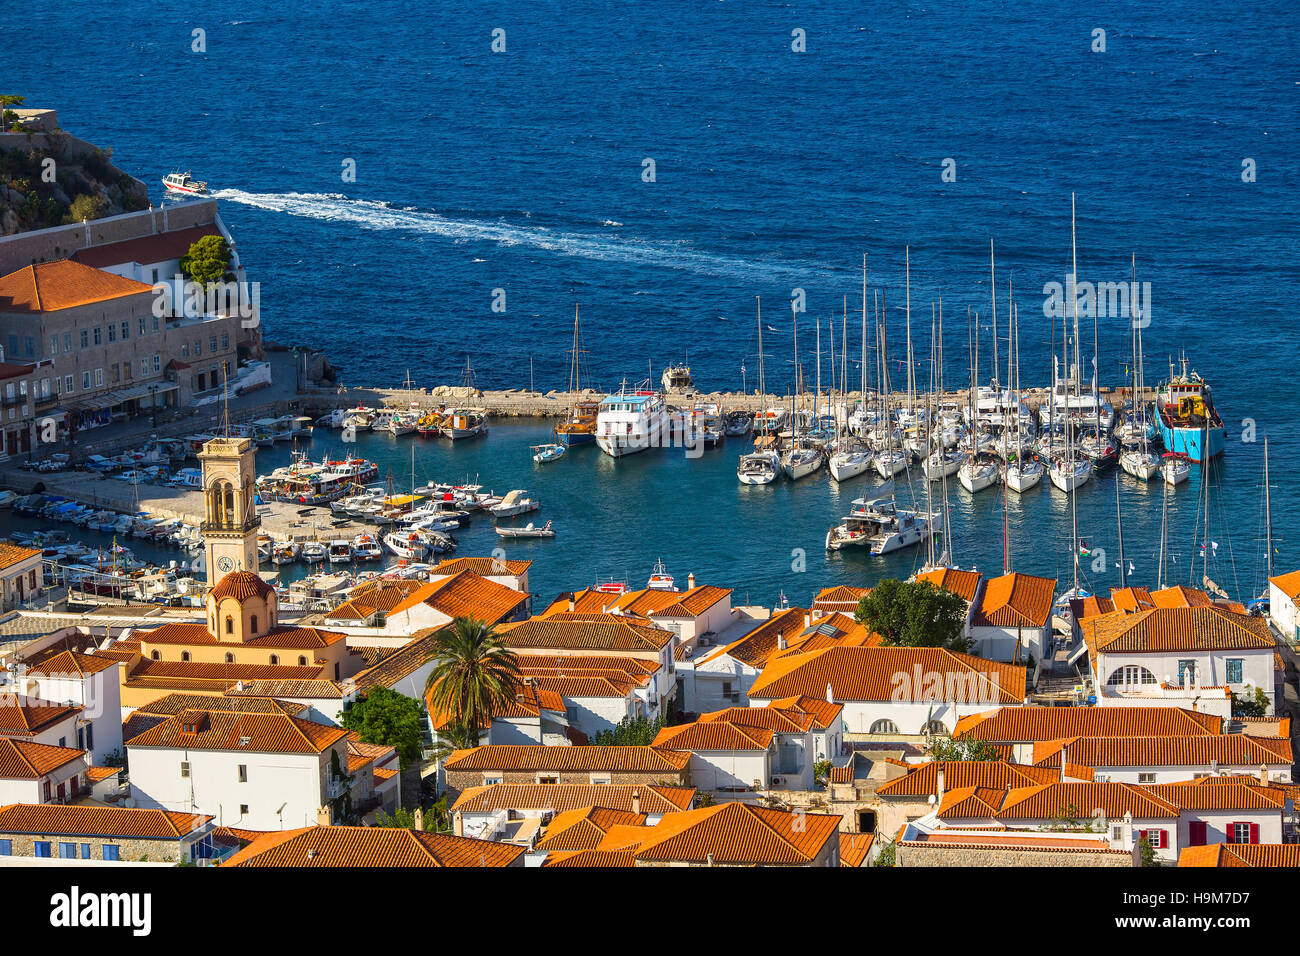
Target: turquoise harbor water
x=776 y=170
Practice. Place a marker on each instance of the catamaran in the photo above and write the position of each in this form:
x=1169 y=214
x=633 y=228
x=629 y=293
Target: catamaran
x=878 y=524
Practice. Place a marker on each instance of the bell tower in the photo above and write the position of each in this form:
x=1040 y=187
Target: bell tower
x=230 y=521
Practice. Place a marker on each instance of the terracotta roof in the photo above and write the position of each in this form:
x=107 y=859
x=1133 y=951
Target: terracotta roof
x=240 y=585
x=597 y=632
x=138 y=723
x=487 y=567
x=24 y=760
x=63 y=284
x=923 y=780
x=758 y=645
x=529 y=757
x=1056 y=800
x=824 y=713
x=400 y=664
x=1090 y=606
x=714 y=735
x=737 y=833
x=287 y=637
x=964 y=584
x=1180 y=596
x=68 y=663
x=173 y=704
x=96 y=774
x=1227 y=793
x=307 y=689
x=1026 y=724
x=11 y=554
x=1288 y=584
x=654 y=798
x=1030 y=842
x=372 y=846
x=381 y=594
x=529 y=701
x=146 y=249
x=842 y=597
x=182 y=674
x=236 y=836
x=1241 y=854
x=465 y=594
x=254 y=733
x=86 y=820
x=1131 y=599
x=830 y=630
x=592 y=859
x=872 y=673
x=1229 y=750
x=1016 y=600
x=30 y=716
x=777 y=719
x=854 y=848
x=1161 y=630
x=583 y=828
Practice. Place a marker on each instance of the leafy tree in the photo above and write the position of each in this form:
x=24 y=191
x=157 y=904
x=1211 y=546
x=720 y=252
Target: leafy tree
x=85 y=206
x=821 y=771
x=208 y=261
x=630 y=732
x=452 y=737
x=8 y=116
x=1148 y=854
x=402 y=819
x=887 y=856
x=1256 y=706
x=389 y=719
x=475 y=674
x=914 y=614
x=962 y=748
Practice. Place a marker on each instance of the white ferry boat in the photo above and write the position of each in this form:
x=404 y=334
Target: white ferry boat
x=184 y=184
x=632 y=421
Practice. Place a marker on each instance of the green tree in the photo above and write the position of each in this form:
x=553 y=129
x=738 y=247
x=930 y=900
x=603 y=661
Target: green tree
x=887 y=856
x=85 y=206
x=630 y=732
x=1256 y=706
x=452 y=737
x=914 y=614
x=390 y=719
x=402 y=819
x=8 y=116
x=474 y=676
x=208 y=261
x=1148 y=854
x=962 y=748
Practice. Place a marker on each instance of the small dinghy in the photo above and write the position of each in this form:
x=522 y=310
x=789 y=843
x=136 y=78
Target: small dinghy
x=548 y=452
x=527 y=531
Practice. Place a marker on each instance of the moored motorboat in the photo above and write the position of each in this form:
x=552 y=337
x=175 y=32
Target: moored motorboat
x=527 y=531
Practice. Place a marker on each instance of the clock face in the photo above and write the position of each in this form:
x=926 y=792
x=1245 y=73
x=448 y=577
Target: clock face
x=225 y=564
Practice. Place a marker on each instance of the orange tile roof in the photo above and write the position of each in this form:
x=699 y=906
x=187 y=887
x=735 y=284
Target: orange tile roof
x=372 y=846
x=1158 y=630
x=487 y=567
x=603 y=632
x=964 y=584
x=854 y=848
x=871 y=673
x=830 y=630
x=319 y=689
x=1227 y=793
x=68 y=663
x=758 y=645
x=1288 y=584
x=1241 y=854
x=824 y=713
x=173 y=704
x=738 y=834
x=529 y=701
x=145 y=249
x=1056 y=800
x=240 y=585
x=381 y=594
x=777 y=719
x=1090 y=606
x=923 y=780
x=1016 y=600
x=1180 y=596
x=285 y=637
x=1027 y=724
x=575 y=686
x=1032 y=843
x=466 y=594
x=592 y=859
x=28 y=716
x=11 y=554
x=63 y=284
x=96 y=774
x=24 y=760
x=1131 y=599
x=714 y=735
x=86 y=820
x=395 y=667
x=265 y=733
x=1229 y=750
x=629 y=759
x=842 y=598
x=653 y=798
x=583 y=828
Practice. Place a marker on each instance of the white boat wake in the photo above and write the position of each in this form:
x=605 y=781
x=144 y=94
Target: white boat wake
x=381 y=216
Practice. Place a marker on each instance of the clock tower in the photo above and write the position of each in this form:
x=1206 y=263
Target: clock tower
x=230 y=521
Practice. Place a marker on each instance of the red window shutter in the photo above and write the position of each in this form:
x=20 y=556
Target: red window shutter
x=1196 y=833
x=1139 y=835
x=1254 y=833
x=1232 y=831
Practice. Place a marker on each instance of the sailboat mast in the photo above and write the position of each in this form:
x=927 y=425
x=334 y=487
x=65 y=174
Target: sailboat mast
x=929 y=485
x=1119 y=526
x=1268 y=523
x=911 y=376
x=1069 y=428
x=762 y=385
x=864 y=330
x=993 y=296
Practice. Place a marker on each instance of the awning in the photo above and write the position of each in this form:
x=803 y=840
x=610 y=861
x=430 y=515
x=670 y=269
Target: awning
x=119 y=396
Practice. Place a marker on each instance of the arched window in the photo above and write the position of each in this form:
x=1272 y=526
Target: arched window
x=230 y=658
x=1130 y=675
x=185 y=655
x=934 y=727
x=302 y=660
x=884 y=727
x=275 y=658
x=155 y=655
x=230 y=624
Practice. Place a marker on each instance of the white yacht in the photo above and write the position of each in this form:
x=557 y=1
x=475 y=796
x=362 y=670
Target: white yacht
x=632 y=421
x=1175 y=469
x=1069 y=474
x=801 y=461
x=890 y=462
x=1140 y=463
x=758 y=468
x=1023 y=473
x=877 y=523
x=942 y=464
x=978 y=473
x=849 y=462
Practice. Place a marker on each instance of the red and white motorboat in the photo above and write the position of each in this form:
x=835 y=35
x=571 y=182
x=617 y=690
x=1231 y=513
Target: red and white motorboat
x=185 y=184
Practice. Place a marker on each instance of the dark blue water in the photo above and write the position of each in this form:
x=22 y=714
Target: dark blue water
x=775 y=170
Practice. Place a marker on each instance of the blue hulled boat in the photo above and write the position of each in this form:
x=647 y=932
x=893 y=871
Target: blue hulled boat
x=1189 y=423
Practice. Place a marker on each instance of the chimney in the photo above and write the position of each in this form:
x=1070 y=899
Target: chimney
x=1263 y=775
x=573 y=605
x=1065 y=752
x=710 y=860
x=780 y=642
x=636 y=801
x=458 y=823
x=830 y=694
x=807 y=619
x=690 y=580
x=1128 y=828
x=323 y=816
x=419 y=818
x=939 y=787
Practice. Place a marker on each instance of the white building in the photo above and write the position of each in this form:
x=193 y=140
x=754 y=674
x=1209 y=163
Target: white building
x=39 y=773
x=1283 y=593
x=1012 y=621
x=85 y=680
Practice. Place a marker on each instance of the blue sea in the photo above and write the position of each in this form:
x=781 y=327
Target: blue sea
x=774 y=169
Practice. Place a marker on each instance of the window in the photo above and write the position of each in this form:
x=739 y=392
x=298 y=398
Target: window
x=143 y=326
x=6 y=847
x=185 y=768
x=934 y=727
x=884 y=727
x=1234 y=669
x=243 y=773
x=41 y=848
x=212 y=344
x=185 y=350
x=1130 y=675
x=85 y=379
x=67 y=341
x=47 y=792
x=67 y=383
x=243 y=809
x=1197 y=833
x=1187 y=672
x=275 y=658
x=90 y=736
x=112 y=333
x=29 y=345
x=99 y=336
x=230 y=658
x=110 y=851
x=99 y=378
x=1243 y=833
x=144 y=366
x=157 y=363
x=600 y=781
x=155 y=655
x=126 y=331
x=185 y=656
x=1117 y=833
x=489 y=779
x=254 y=624
x=1155 y=838
x=225 y=341
x=54 y=345
x=85 y=851
x=198 y=346
x=85 y=338
x=155 y=323
x=546 y=779
x=230 y=624
x=1146 y=778
x=302 y=660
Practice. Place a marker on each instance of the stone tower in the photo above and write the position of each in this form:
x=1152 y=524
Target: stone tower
x=230 y=521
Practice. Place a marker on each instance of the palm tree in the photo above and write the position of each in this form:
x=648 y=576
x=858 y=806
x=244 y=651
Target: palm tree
x=475 y=675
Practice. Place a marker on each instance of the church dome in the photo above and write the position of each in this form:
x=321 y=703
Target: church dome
x=240 y=585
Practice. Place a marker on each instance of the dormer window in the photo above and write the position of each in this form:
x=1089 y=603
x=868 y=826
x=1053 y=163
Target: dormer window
x=154 y=655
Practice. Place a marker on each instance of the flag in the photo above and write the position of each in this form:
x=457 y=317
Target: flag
x=1084 y=550
x=742 y=366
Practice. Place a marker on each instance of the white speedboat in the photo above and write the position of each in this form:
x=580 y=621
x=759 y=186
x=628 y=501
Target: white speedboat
x=365 y=547
x=340 y=552
x=548 y=452
x=1142 y=465
x=978 y=473
x=313 y=551
x=184 y=184
x=1068 y=475
x=527 y=531
x=516 y=502
x=1023 y=474
x=758 y=468
x=876 y=523
x=411 y=545
x=1175 y=469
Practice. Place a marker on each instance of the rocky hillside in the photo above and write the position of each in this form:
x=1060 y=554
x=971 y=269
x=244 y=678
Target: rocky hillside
x=80 y=183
